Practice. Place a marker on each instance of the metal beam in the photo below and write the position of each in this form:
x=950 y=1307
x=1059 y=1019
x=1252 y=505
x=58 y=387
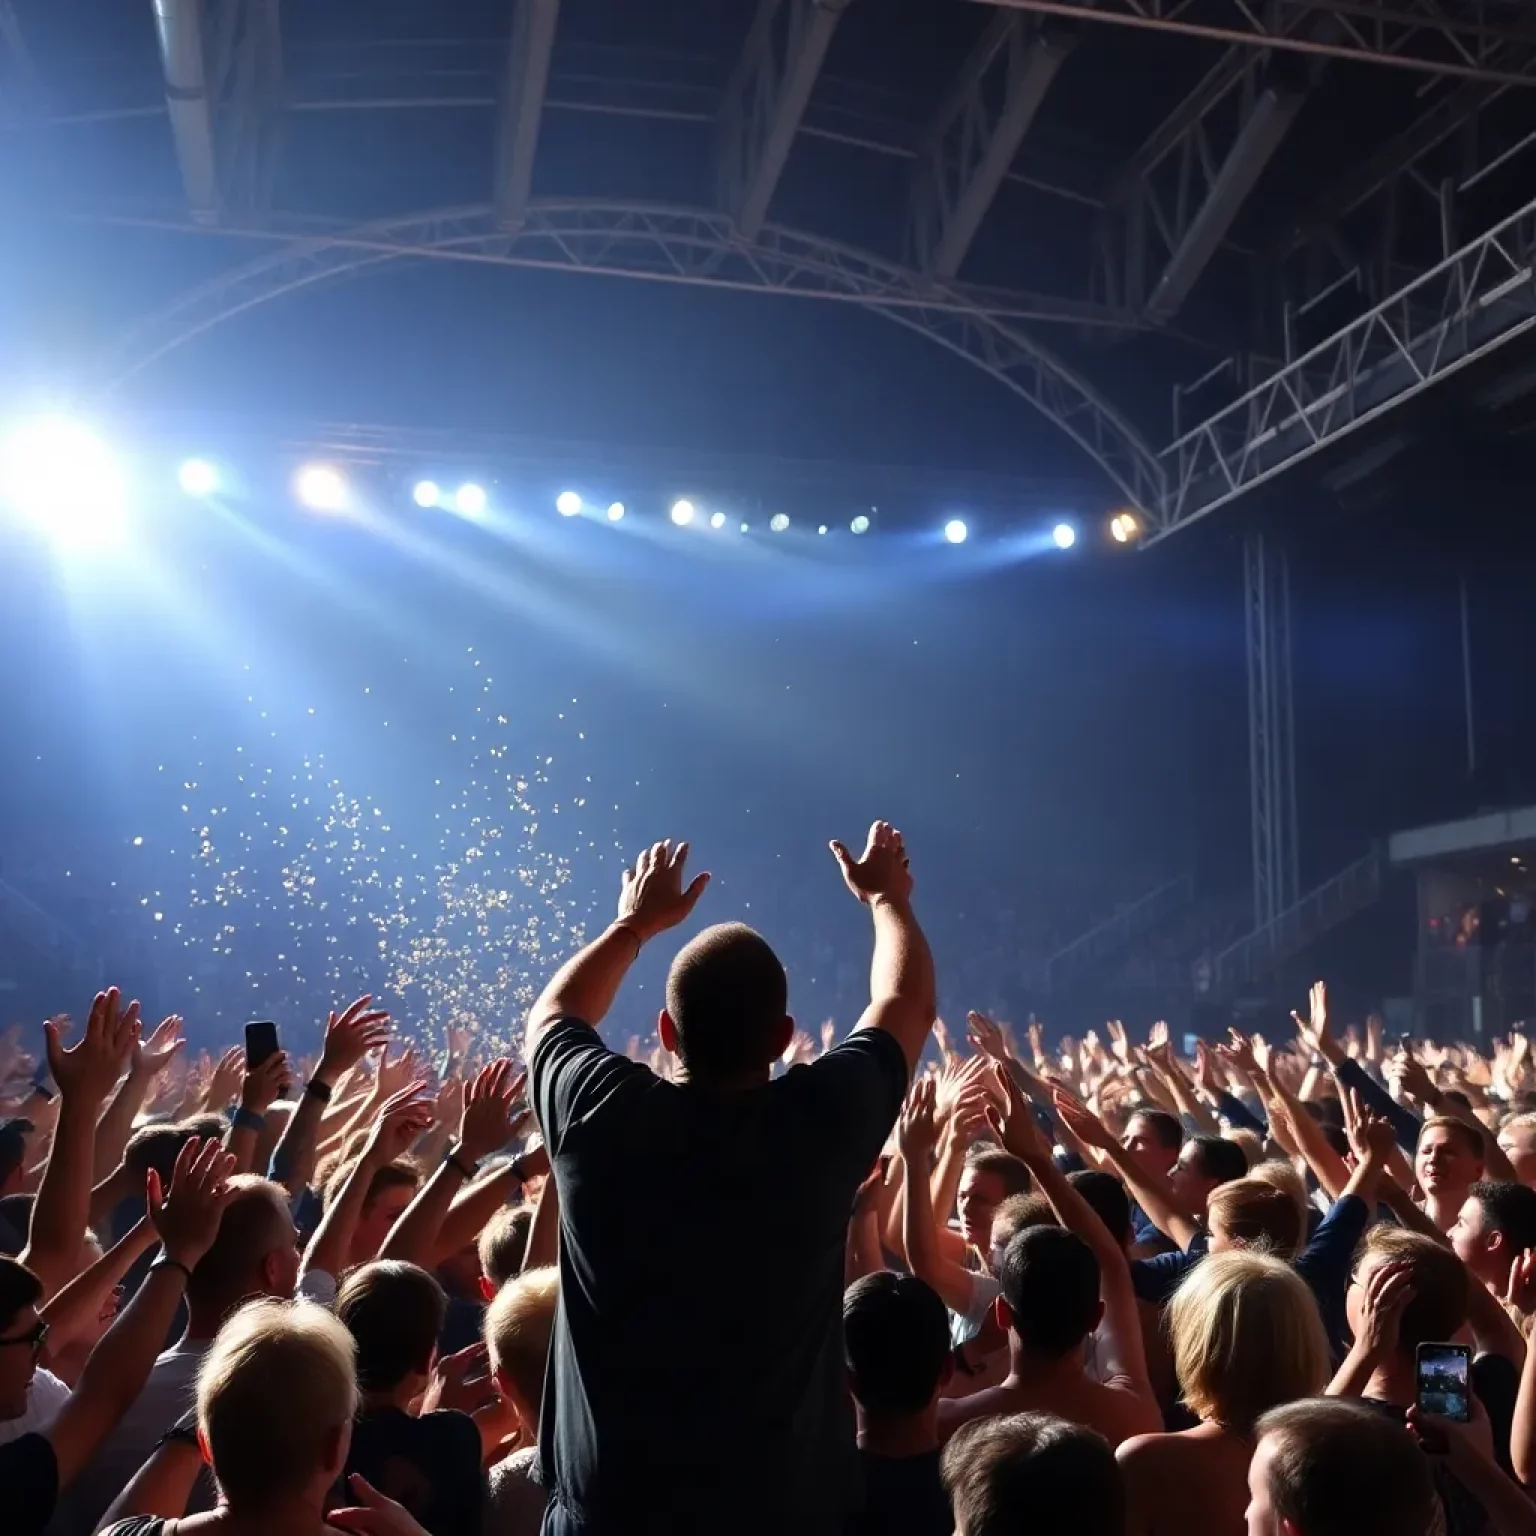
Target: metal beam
x=179 y=25
x=766 y=99
x=973 y=140
x=521 y=108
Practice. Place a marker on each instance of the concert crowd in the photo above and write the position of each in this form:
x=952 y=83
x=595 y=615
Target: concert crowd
x=906 y=1282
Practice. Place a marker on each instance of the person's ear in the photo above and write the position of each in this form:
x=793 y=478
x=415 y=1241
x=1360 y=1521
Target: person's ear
x=782 y=1035
x=667 y=1031
x=202 y=1448
x=946 y=1374
x=336 y=1448
x=1004 y=1314
x=502 y=1382
x=487 y=1290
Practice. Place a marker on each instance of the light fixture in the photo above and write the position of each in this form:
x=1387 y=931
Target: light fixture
x=615 y=511
x=321 y=488
x=60 y=476
x=427 y=493
x=198 y=477
x=746 y=527
x=955 y=530
x=822 y=528
x=779 y=522
x=717 y=520
x=1064 y=535
x=1124 y=526
x=860 y=524
x=568 y=503
x=470 y=500
x=682 y=513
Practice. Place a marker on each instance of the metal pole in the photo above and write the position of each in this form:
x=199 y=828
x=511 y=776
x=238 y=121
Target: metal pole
x=1292 y=872
x=1466 y=678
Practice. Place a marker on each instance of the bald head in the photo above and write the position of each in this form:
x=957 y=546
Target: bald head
x=727 y=998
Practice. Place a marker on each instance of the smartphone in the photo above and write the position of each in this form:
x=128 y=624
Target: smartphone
x=1443 y=1382
x=260 y=1042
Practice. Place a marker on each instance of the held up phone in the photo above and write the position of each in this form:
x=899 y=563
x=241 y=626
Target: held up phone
x=1443 y=1383
x=260 y=1042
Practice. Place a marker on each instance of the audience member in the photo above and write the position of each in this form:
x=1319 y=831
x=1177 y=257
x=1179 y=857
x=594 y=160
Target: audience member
x=518 y=1326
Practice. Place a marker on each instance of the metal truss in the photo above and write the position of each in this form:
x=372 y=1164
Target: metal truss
x=1271 y=728
x=1420 y=35
x=1468 y=305
x=766 y=99
x=971 y=143
x=677 y=245
x=522 y=105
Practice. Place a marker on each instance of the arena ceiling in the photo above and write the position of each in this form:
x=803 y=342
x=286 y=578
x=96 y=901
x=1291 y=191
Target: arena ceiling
x=1206 y=238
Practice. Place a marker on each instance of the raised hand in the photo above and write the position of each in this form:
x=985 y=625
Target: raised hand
x=1205 y=1070
x=801 y=1050
x=488 y=1122
x=226 y=1078
x=653 y=898
x=828 y=1035
x=1315 y=1031
x=394 y=1075
x=916 y=1132
x=187 y=1218
x=374 y=1514
x=986 y=1036
x=1261 y=1054
x=882 y=872
x=1083 y=1124
x=156 y=1053
x=1118 y=1043
x=264 y=1085
x=405 y=1116
x=1410 y=1077
x=460 y=1381
x=350 y=1035
x=1371 y=1137
x=1016 y=1127
x=88 y=1071
x=1387 y=1293
x=1522 y=1281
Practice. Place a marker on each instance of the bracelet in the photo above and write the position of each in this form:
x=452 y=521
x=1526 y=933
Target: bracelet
x=457 y=1163
x=321 y=1091
x=165 y=1261
x=245 y=1119
x=178 y=1434
x=633 y=932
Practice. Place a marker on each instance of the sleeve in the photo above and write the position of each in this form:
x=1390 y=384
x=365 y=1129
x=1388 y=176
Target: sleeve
x=1496 y=1382
x=573 y=1075
x=1325 y=1262
x=1157 y=1278
x=1236 y=1113
x=318 y=1285
x=854 y=1094
x=29 y=1474
x=1405 y=1124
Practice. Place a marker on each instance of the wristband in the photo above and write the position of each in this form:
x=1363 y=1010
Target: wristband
x=633 y=932
x=245 y=1119
x=452 y=1159
x=321 y=1091
x=165 y=1261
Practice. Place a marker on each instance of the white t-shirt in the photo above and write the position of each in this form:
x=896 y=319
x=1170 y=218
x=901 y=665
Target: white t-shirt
x=45 y=1396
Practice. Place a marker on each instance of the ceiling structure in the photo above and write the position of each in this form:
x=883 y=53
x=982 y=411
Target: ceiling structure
x=1208 y=239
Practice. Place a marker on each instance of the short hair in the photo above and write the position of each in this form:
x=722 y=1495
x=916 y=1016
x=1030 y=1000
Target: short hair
x=1470 y=1138
x=1281 y=1172
x=1219 y=1158
x=1035 y=1472
x=503 y=1242
x=1050 y=1279
x=1257 y=1214
x=1246 y=1336
x=1441 y=1287
x=1509 y=1208
x=255 y=1223
x=276 y=1383
x=727 y=997
x=1339 y=1468
x=1524 y=1121
x=1248 y=1139
x=1020 y=1211
x=1166 y=1129
x=1109 y=1198
x=895 y=1343
x=395 y=1312
x=19 y=1289
x=158 y=1146
x=518 y=1326
x=1013 y=1172
x=400 y=1174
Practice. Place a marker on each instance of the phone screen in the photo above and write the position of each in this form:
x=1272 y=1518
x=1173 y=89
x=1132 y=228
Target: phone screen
x=1445 y=1381
x=260 y=1041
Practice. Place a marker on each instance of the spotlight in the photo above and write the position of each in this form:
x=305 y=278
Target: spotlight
x=822 y=528
x=860 y=524
x=426 y=493
x=717 y=520
x=956 y=531
x=682 y=513
x=616 y=512
x=470 y=500
x=779 y=522
x=746 y=527
x=320 y=488
x=1064 y=535
x=198 y=477
x=1124 y=527
x=59 y=475
x=567 y=503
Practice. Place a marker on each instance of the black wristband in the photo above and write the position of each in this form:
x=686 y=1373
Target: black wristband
x=321 y=1091
x=165 y=1261
x=454 y=1161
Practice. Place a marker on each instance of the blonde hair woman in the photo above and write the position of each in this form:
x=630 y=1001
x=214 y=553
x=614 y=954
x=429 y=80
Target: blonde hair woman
x=1246 y=1337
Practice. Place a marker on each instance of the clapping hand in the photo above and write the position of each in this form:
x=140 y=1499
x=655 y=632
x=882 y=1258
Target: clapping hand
x=882 y=872
x=156 y=1053
x=89 y=1070
x=653 y=898
x=187 y=1218
x=488 y=1122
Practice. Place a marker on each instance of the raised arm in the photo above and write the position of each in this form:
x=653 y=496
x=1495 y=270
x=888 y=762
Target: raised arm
x=145 y=1063
x=901 y=989
x=76 y=1306
x=916 y=1136
x=474 y=1206
x=263 y=1085
x=652 y=900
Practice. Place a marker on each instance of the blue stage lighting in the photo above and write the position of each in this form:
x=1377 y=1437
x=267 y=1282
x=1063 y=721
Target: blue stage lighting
x=321 y=488
x=568 y=503
x=616 y=512
x=860 y=524
x=1064 y=535
x=956 y=531
x=682 y=513
x=58 y=474
x=198 y=477
x=470 y=500
x=779 y=522
x=427 y=493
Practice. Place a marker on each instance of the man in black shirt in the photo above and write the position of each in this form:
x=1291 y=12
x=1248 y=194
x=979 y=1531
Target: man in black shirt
x=696 y=1377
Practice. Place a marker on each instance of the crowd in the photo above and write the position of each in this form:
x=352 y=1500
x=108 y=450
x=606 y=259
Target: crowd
x=901 y=1283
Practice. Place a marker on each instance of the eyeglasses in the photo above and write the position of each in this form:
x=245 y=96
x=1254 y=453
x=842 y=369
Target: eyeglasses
x=34 y=1338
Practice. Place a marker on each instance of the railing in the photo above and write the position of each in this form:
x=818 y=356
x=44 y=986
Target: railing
x=1114 y=933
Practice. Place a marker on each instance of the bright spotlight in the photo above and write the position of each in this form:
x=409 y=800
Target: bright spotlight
x=1124 y=527
x=616 y=512
x=426 y=493
x=59 y=475
x=320 y=488
x=198 y=477
x=779 y=522
x=682 y=513
x=717 y=520
x=746 y=527
x=1064 y=535
x=567 y=503
x=470 y=500
x=860 y=524
x=956 y=531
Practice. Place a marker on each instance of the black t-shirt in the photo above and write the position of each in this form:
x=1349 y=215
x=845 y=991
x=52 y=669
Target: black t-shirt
x=903 y=1496
x=29 y=1484
x=696 y=1378
x=429 y=1464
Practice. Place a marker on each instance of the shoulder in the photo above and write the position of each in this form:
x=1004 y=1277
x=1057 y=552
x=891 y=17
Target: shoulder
x=1146 y=1452
x=868 y=1059
x=453 y=1431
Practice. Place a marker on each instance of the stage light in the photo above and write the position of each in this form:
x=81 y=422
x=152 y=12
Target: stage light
x=1064 y=535
x=198 y=477
x=717 y=520
x=470 y=500
x=320 y=488
x=822 y=528
x=956 y=531
x=427 y=493
x=567 y=503
x=1124 y=526
x=59 y=475
x=746 y=527
x=860 y=524
x=682 y=513
x=616 y=512
x=779 y=522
